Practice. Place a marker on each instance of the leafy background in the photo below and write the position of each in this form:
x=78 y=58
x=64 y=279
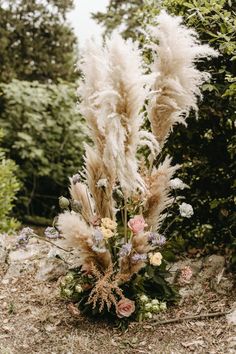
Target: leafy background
x=43 y=133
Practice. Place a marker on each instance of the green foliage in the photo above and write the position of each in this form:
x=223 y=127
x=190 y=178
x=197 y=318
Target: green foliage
x=43 y=135
x=206 y=148
x=9 y=186
x=36 y=41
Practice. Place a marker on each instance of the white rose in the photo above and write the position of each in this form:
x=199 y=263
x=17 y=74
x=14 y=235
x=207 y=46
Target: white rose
x=186 y=210
x=177 y=183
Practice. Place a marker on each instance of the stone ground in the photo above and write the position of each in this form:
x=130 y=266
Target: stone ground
x=34 y=319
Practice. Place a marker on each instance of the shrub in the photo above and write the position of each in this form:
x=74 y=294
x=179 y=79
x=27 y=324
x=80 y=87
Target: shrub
x=9 y=185
x=44 y=137
x=209 y=142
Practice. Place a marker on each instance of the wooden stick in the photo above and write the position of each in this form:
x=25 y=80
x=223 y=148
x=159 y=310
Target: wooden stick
x=193 y=317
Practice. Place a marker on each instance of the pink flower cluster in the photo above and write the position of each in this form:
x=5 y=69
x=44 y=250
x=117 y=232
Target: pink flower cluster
x=186 y=274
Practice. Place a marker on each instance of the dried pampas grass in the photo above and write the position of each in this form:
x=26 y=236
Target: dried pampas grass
x=158 y=198
x=78 y=235
x=96 y=171
x=177 y=80
x=79 y=192
x=112 y=96
x=141 y=247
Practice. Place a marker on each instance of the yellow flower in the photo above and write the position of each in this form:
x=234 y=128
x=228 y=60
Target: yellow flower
x=106 y=233
x=155 y=258
x=109 y=224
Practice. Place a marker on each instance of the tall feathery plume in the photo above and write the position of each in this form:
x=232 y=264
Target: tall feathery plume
x=136 y=260
x=177 y=83
x=112 y=96
x=79 y=192
x=102 y=194
x=159 y=193
x=78 y=235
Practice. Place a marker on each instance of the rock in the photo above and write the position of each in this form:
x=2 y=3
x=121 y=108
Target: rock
x=213 y=266
x=51 y=269
x=231 y=317
x=195 y=265
x=16 y=269
x=3 y=255
x=32 y=251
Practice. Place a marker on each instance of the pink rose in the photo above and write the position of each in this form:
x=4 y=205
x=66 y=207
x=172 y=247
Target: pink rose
x=125 y=308
x=137 y=224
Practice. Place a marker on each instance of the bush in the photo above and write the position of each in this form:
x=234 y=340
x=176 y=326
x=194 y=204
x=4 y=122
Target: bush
x=44 y=137
x=9 y=185
x=208 y=144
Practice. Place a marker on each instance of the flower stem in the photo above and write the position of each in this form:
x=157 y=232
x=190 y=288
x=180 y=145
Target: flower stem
x=125 y=219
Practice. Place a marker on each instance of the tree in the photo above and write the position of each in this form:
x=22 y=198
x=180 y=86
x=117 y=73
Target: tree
x=36 y=41
x=207 y=147
x=121 y=12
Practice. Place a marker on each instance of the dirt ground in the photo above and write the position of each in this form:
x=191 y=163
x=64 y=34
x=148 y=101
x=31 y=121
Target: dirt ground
x=34 y=319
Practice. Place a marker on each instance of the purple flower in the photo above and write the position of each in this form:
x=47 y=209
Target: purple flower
x=24 y=237
x=139 y=258
x=51 y=233
x=156 y=239
x=125 y=250
x=97 y=236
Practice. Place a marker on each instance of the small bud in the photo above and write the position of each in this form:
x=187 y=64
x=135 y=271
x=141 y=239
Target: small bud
x=148 y=315
x=155 y=308
x=155 y=302
x=148 y=306
x=162 y=306
x=64 y=203
x=69 y=277
x=79 y=288
x=67 y=292
x=143 y=298
x=76 y=178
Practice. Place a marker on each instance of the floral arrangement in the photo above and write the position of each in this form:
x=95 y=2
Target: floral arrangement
x=120 y=203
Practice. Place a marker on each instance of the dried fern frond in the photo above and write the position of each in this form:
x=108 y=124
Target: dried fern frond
x=105 y=290
x=78 y=235
x=177 y=84
x=158 y=198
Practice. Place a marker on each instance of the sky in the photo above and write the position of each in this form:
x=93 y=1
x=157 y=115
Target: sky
x=83 y=25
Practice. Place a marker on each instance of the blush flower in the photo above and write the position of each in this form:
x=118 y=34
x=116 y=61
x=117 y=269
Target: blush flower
x=137 y=224
x=155 y=258
x=107 y=233
x=109 y=224
x=185 y=275
x=125 y=308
